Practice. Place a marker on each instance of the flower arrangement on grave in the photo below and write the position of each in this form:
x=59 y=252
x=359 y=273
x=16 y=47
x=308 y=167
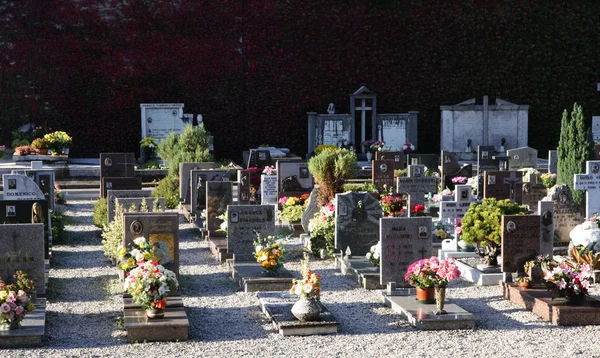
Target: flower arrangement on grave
x=427 y=273
x=269 y=170
x=459 y=180
x=569 y=281
x=408 y=147
x=474 y=183
x=40 y=145
x=393 y=205
x=437 y=197
x=269 y=253
x=481 y=225
x=417 y=210
x=367 y=145
x=24 y=150
x=15 y=301
x=535 y=268
x=548 y=179
x=389 y=148
x=148 y=142
x=58 y=140
x=293 y=207
x=310 y=285
x=374 y=254
x=322 y=230
x=149 y=284
x=587 y=234
x=346 y=144
x=137 y=252
x=443 y=230
x=255 y=176
x=223 y=226
x=377 y=145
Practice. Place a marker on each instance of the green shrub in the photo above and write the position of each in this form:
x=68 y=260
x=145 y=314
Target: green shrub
x=100 y=217
x=58 y=225
x=168 y=188
x=112 y=237
x=330 y=169
x=191 y=146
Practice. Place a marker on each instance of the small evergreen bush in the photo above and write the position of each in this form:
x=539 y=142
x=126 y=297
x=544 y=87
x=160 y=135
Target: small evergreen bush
x=330 y=169
x=168 y=188
x=100 y=217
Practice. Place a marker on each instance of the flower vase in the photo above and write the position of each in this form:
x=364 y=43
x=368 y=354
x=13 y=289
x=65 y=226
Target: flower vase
x=14 y=324
x=369 y=156
x=426 y=295
x=155 y=313
x=306 y=309
x=440 y=297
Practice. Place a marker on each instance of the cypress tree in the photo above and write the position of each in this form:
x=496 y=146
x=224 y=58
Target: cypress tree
x=575 y=147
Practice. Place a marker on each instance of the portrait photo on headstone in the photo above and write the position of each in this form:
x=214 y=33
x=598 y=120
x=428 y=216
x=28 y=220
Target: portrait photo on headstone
x=12 y=184
x=10 y=210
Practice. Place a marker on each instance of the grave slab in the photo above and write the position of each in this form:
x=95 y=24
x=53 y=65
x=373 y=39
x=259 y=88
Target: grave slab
x=251 y=277
x=422 y=317
x=173 y=300
x=476 y=276
x=173 y=327
x=539 y=301
x=278 y=308
x=218 y=247
x=32 y=330
x=360 y=270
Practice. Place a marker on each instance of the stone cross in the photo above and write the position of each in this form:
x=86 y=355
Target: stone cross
x=363 y=118
x=590 y=182
x=416 y=185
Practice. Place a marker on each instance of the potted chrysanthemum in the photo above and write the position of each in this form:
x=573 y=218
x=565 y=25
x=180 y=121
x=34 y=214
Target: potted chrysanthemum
x=149 y=284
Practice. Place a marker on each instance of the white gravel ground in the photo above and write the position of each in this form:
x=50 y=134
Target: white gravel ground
x=84 y=310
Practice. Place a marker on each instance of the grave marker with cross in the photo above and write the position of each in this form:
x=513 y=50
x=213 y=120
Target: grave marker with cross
x=416 y=185
x=590 y=182
x=503 y=185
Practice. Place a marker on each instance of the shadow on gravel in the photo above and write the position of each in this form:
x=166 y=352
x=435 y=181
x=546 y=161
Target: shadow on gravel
x=354 y=315
x=62 y=330
x=207 y=285
x=189 y=233
x=79 y=259
x=88 y=288
x=226 y=324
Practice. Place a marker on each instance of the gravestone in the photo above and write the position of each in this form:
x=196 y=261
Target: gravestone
x=120 y=183
x=486 y=161
x=268 y=189
x=244 y=222
x=199 y=179
x=397 y=157
x=383 y=174
x=160 y=228
x=458 y=207
x=552 y=161
x=520 y=158
x=218 y=196
x=567 y=214
x=185 y=182
x=521 y=241
x=22 y=248
x=403 y=241
x=21 y=187
x=546 y=213
x=597 y=151
x=451 y=169
x=136 y=205
x=503 y=185
x=44 y=178
x=416 y=185
x=293 y=178
x=259 y=158
x=533 y=191
x=117 y=165
x=244 y=187
x=431 y=161
x=590 y=182
x=22 y=212
x=356 y=222
x=311 y=209
x=112 y=195
x=159 y=120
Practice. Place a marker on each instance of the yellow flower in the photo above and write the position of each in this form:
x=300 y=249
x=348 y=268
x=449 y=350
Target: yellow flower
x=266 y=264
x=3 y=295
x=274 y=245
x=122 y=251
x=147 y=256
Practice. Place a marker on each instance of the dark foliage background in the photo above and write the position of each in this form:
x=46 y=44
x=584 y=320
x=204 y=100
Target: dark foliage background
x=254 y=68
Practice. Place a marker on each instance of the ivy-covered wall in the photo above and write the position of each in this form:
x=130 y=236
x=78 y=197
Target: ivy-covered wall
x=253 y=68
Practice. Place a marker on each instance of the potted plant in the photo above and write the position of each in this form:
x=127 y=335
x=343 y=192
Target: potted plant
x=15 y=303
x=24 y=150
x=149 y=284
x=548 y=179
x=40 y=145
x=569 y=281
x=427 y=274
x=308 y=307
x=481 y=226
x=59 y=142
x=269 y=254
x=524 y=282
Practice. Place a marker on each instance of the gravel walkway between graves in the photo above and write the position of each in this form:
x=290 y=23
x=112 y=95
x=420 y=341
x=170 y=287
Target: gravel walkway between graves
x=84 y=309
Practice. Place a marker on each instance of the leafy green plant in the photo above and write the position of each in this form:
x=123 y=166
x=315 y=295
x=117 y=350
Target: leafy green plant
x=318 y=150
x=113 y=233
x=481 y=225
x=100 y=217
x=168 y=188
x=58 y=225
x=330 y=169
x=191 y=146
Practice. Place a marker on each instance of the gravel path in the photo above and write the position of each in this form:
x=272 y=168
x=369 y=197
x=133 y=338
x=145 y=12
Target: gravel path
x=84 y=314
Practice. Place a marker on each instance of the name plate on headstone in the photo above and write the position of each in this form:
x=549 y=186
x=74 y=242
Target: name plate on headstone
x=268 y=189
x=521 y=241
x=244 y=222
x=117 y=165
x=112 y=195
x=21 y=187
x=159 y=120
x=383 y=174
x=44 y=179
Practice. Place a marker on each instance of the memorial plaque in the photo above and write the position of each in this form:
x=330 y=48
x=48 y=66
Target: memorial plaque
x=159 y=120
x=218 y=196
x=416 y=185
x=244 y=187
x=111 y=195
x=403 y=241
x=22 y=248
x=268 y=189
x=396 y=157
x=185 y=182
x=356 y=222
x=383 y=174
x=244 y=222
x=503 y=185
x=521 y=241
x=162 y=229
x=533 y=192
x=567 y=214
x=431 y=161
x=21 y=187
x=110 y=183
x=590 y=182
x=44 y=179
x=117 y=165
x=523 y=157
